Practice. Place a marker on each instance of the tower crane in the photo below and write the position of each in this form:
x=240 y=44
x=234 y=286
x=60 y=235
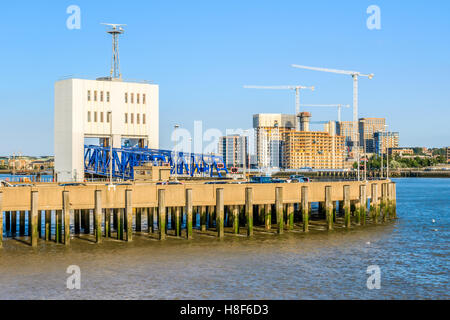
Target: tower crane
x=339 y=106
x=296 y=88
x=355 y=75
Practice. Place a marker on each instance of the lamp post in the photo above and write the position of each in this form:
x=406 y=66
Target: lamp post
x=364 y=153
x=387 y=152
x=175 y=152
x=109 y=115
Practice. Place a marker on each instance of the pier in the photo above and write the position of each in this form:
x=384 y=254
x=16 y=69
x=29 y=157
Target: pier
x=49 y=212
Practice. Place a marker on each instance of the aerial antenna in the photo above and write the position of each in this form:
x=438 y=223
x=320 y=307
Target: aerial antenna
x=115 y=30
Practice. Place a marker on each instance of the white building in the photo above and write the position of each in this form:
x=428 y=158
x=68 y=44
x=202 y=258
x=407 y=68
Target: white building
x=269 y=130
x=81 y=111
x=234 y=150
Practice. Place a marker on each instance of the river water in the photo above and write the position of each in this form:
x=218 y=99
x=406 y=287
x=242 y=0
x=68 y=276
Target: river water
x=412 y=254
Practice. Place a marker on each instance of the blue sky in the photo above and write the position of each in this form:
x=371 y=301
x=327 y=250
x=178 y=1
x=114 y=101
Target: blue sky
x=201 y=53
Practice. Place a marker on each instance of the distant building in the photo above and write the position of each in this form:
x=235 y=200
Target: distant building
x=367 y=129
x=385 y=141
x=401 y=152
x=234 y=150
x=316 y=149
x=269 y=130
x=448 y=154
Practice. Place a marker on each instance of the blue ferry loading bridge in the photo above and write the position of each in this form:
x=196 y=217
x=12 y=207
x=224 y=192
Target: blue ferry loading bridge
x=97 y=162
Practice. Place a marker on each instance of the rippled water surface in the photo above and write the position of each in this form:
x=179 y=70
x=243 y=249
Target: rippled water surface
x=413 y=254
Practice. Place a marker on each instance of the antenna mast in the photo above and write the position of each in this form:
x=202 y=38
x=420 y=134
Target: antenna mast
x=115 y=30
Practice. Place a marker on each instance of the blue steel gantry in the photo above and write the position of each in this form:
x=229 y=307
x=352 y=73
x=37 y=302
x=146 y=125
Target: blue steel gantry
x=97 y=159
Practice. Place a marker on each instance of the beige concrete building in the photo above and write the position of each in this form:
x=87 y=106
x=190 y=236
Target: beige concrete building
x=367 y=129
x=385 y=141
x=401 y=152
x=318 y=150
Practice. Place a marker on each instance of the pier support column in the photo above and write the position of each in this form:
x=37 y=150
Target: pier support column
x=34 y=219
x=210 y=216
x=268 y=216
x=290 y=216
x=249 y=210
x=40 y=224
x=203 y=218
x=108 y=223
x=138 y=219
x=347 y=217
x=14 y=223
x=279 y=209
x=384 y=202
x=129 y=215
x=305 y=209
x=21 y=223
x=76 y=221
x=66 y=213
x=162 y=214
x=236 y=219
x=120 y=224
x=363 y=203
x=178 y=221
x=150 y=220
x=189 y=212
x=374 y=204
x=393 y=200
x=87 y=221
x=219 y=213
x=98 y=216
x=8 y=220
x=48 y=225
x=328 y=208
x=58 y=226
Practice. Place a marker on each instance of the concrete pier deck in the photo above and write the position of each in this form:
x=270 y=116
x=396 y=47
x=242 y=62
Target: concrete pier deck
x=118 y=212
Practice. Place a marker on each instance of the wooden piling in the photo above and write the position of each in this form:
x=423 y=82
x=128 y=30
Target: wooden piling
x=8 y=221
x=34 y=219
x=108 y=223
x=98 y=216
x=363 y=203
x=21 y=223
x=236 y=219
x=374 y=203
x=66 y=213
x=150 y=220
x=76 y=221
x=328 y=208
x=210 y=216
x=87 y=221
x=305 y=209
x=40 y=224
x=384 y=202
x=290 y=216
x=14 y=223
x=162 y=214
x=347 y=213
x=58 y=226
x=203 y=218
x=189 y=212
x=178 y=221
x=120 y=224
x=48 y=225
x=393 y=200
x=268 y=216
x=138 y=223
x=129 y=215
x=249 y=210
x=220 y=212
x=279 y=209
